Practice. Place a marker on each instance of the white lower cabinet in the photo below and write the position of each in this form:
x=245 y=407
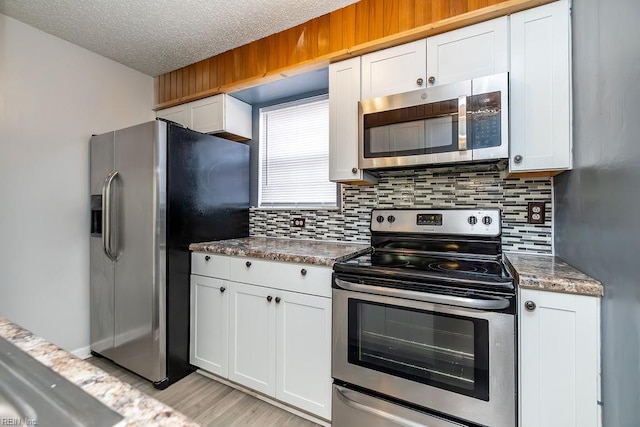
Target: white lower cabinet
x=263 y=337
x=209 y=324
x=303 y=352
x=559 y=366
x=252 y=347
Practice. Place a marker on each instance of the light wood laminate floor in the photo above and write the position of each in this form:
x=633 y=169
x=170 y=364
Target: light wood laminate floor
x=209 y=402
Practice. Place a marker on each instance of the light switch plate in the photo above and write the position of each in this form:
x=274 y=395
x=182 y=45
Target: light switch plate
x=535 y=212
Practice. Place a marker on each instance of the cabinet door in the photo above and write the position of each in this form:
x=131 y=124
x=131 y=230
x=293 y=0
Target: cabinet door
x=209 y=324
x=540 y=98
x=473 y=51
x=178 y=114
x=304 y=352
x=207 y=115
x=559 y=360
x=252 y=346
x=394 y=70
x=344 y=94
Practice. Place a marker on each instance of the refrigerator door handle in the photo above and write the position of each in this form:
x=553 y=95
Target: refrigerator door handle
x=106 y=215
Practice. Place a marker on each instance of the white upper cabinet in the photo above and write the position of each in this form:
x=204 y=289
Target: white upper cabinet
x=221 y=115
x=394 y=70
x=540 y=83
x=474 y=51
x=179 y=114
x=344 y=94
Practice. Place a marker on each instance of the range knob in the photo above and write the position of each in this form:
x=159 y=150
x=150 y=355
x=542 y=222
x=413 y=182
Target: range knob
x=391 y=219
x=380 y=218
x=486 y=220
x=472 y=220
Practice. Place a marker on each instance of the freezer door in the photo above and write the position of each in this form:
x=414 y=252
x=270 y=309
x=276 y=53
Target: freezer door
x=101 y=281
x=140 y=187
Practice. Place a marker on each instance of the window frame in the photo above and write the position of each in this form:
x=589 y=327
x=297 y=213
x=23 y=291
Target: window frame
x=336 y=205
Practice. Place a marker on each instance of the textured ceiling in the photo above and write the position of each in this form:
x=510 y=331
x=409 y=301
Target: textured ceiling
x=158 y=36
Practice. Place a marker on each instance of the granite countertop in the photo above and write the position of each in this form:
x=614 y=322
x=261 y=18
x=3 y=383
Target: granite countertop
x=549 y=273
x=320 y=252
x=136 y=407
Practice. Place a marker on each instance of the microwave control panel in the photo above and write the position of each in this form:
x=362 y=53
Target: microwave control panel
x=485 y=120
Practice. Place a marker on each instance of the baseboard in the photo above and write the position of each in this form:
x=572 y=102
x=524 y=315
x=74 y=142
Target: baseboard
x=267 y=399
x=82 y=352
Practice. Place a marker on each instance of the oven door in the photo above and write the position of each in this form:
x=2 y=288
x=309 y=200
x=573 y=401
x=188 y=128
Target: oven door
x=452 y=359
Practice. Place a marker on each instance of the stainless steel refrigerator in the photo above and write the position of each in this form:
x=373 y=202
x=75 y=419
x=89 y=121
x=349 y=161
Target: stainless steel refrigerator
x=155 y=188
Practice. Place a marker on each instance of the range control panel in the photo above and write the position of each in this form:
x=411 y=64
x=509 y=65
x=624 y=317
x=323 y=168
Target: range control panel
x=471 y=222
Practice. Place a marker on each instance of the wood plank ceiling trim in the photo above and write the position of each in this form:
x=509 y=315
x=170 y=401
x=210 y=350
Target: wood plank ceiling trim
x=360 y=28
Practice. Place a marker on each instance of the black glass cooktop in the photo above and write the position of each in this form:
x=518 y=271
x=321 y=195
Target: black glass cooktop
x=420 y=266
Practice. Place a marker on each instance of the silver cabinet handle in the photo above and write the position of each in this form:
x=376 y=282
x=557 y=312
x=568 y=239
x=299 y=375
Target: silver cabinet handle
x=432 y=80
x=495 y=303
x=343 y=395
x=517 y=158
x=462 y=123
x=106 y=215
x=530 y=305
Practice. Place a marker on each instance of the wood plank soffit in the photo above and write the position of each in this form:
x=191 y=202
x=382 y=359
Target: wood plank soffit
x=360 y=28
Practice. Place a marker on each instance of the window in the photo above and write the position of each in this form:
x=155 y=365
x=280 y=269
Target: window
x=294 y=154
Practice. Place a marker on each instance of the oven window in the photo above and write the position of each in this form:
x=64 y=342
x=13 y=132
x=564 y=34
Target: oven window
x=445 y=351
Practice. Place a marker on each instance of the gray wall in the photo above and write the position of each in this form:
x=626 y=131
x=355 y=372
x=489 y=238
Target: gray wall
x=597 y=204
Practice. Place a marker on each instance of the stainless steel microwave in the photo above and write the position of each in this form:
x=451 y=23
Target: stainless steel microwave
x=466 y=121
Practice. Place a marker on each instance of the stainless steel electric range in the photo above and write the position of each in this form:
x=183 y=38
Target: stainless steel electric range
x=424 y=324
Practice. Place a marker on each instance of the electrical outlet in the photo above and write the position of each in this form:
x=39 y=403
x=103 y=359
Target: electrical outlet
x=535 y=212
x=297 y=222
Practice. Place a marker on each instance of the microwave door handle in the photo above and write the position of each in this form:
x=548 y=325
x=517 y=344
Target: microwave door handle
x=496 y=303
x=462 y=123
x=346 y=398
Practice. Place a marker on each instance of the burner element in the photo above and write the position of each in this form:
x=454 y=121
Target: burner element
x=457 y=266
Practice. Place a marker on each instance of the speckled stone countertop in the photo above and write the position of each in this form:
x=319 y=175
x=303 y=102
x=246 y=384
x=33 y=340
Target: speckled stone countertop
x=549 y=273
x=137 y=408
x=320 y=252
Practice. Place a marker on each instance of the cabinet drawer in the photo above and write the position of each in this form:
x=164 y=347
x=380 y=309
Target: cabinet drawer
x=303 y=278
x=210 y=265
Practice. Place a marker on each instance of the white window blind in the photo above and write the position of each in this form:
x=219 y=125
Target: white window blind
x=294 y=154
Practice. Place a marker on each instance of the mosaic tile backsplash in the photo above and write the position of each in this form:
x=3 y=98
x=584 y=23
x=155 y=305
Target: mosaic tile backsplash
x=445 y=188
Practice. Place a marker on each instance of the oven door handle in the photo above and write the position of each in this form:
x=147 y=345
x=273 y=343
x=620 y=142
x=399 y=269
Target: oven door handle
x=494 y=303
x=343 y=395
